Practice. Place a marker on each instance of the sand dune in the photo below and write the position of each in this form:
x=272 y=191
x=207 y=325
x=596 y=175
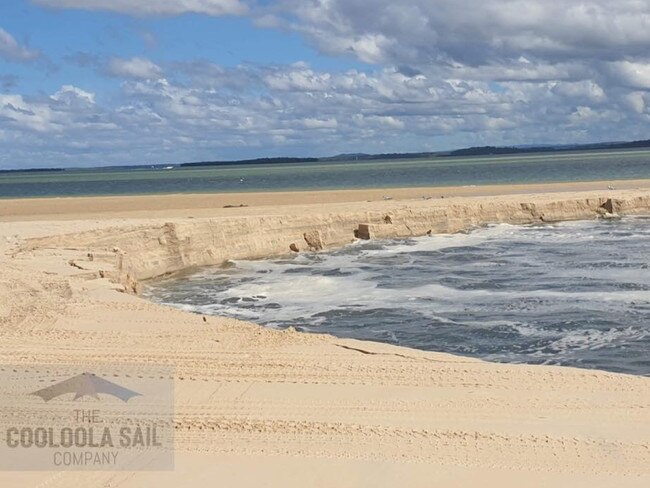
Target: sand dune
x=258 y=407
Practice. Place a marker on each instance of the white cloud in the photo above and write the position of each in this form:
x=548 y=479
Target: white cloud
x=637 y=101
x=474 y=32
x=580 y=90
x=67 y=110
x=299 y=79
x=21 y=114
x=632 y=74
x=154 y=7
x=71 y=95
x=13 y=51
x=313 y=123
x=140 y=68
x=592 y=46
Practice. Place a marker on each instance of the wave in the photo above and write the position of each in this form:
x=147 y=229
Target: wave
x=571 y=293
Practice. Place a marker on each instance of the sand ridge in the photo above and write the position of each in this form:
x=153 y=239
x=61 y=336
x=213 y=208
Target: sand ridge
x=258 y=407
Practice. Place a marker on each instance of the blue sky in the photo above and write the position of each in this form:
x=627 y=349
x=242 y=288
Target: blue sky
x=63 y=35
x=94 y=82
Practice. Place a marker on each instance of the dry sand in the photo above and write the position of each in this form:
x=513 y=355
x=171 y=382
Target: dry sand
x=204 y=205
x=257 y=407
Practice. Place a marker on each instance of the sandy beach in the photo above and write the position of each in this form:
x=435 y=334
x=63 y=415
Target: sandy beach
x=204 y=205
x=260 y=407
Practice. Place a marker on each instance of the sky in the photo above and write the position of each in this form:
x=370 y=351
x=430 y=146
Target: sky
x=109 y=82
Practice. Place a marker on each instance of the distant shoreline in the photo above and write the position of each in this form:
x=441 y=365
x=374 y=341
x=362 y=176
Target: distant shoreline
x=352 y=157
x=238 y=203
x=32 y=170
x=470 y=151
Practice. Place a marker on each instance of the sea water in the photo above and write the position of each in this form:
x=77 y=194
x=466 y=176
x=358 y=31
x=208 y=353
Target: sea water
x=441 y=171
x=574 y=294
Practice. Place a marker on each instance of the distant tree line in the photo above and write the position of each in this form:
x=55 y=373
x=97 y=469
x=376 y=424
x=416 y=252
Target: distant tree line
x=32 y=170
x=488 y=150
x=471 y=151
x=254 y=161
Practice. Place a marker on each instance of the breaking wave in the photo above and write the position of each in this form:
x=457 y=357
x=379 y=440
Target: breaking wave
x=572 y=293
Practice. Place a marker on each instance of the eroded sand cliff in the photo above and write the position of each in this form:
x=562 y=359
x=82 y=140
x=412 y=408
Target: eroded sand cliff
x=141 y=252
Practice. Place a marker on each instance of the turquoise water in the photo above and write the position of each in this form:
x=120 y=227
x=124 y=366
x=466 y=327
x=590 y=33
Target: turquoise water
x=531 y=168
x=575 y=294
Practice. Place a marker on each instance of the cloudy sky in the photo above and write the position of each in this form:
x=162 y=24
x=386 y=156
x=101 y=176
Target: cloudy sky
x=99 y=82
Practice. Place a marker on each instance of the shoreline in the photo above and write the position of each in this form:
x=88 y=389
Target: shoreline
x=179 y=203
x=168 y=242
x=280 y=401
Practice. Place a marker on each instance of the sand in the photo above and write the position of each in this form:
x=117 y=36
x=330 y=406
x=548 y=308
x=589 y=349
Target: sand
x=204 y=205
x=258 y=407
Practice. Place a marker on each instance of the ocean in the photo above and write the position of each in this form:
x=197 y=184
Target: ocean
x=574 y=294
x=457 y=171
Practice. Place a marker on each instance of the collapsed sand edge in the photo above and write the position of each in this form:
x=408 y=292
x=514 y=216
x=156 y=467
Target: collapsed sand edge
x=132 y=254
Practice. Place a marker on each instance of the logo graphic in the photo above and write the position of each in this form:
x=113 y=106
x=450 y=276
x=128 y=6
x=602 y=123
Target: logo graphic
x=65 y=429
x=85 y=384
